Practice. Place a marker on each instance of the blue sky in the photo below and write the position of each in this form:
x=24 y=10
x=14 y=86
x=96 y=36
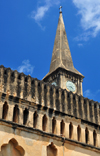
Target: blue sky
x=27 y=33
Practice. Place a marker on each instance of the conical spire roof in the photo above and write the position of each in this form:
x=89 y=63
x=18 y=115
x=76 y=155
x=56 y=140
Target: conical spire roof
x=61 y=56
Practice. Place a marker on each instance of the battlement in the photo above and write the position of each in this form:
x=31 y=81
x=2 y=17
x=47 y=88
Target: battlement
x=47 y=95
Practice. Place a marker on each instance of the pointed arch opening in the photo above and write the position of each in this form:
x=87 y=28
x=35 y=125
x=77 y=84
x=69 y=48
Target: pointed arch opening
x=35 y=119
x=25 y=116
x=86 y=135
x=5 y=111
x=62 y=128
x=79 y=133
x=94 y=138
x=16 y=114
x=70 y=130
x=12 y=148
x=54 y=125
x=51 y=150
x=44 y=123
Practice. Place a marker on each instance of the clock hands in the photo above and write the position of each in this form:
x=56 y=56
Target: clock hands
x=70 y=86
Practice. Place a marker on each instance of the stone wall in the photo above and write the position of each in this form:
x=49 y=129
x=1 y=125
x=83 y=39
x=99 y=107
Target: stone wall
x=41 y=119
x=24 y=141
x=27 y=88
x=28 y=114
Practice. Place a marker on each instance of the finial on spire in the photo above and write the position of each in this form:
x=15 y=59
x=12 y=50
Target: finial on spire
x=60 y=9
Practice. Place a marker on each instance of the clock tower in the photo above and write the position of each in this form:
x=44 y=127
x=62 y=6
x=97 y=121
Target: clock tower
x=62 y=72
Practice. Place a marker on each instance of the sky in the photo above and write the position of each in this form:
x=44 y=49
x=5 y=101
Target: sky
x=27 y=33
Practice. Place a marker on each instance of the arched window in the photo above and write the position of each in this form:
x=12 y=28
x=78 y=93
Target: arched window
x=94 y=138
x=16 y=114
x=12 y=148
x=54 y=125
x=35 y=118
x=51 y=150
x=86 y=135
x=78 y=133
x=44 y=123
x=5 y=110
x=62 y=127
x=70 y=130
x=25 y=116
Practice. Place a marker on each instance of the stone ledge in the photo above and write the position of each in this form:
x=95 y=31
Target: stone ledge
x=49 y=135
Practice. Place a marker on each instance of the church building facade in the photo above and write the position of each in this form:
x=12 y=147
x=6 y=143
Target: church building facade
x=48 y=117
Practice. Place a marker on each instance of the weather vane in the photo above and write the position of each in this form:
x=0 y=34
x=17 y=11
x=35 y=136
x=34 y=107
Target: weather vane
x=60 y=9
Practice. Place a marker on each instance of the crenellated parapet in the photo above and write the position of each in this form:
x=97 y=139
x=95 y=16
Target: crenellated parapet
x=44 y=94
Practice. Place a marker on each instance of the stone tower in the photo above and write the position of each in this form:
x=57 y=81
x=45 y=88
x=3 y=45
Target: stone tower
x=62 y=72
x=41 y=119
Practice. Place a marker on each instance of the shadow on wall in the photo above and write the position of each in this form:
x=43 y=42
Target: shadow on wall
x=11 y=149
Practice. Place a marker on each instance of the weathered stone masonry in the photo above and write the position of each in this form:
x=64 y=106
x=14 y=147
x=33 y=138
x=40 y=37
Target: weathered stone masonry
x=33 y=103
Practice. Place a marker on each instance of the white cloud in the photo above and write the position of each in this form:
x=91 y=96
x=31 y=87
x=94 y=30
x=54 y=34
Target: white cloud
x=90 y=17
x=41 y=11
x=39 y=14
x=91 y=95
x=88 y=93
x=80 y=44
x=98 y=91
x=26 y=67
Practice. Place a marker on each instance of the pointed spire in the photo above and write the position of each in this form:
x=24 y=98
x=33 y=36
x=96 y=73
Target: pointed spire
x=61 y=56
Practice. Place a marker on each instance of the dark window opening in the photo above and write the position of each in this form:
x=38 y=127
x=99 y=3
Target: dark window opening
x=25 y=116
x=5 y=111
x=94 y=138
x=54 y=125
x=44 y=123
x=16 y=114
x=62 y=127
x=35 y=119
x=78 y=133
x=86 y=135
x=70 y=130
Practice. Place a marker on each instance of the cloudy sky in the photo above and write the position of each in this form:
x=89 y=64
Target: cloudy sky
x=27 y=33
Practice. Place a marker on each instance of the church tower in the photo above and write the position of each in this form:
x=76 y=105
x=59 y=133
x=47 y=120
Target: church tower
x=37 y=118
x=62 y=72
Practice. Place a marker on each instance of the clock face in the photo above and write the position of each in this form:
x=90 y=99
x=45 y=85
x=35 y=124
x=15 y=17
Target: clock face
x=70 y=86
x=54 y=83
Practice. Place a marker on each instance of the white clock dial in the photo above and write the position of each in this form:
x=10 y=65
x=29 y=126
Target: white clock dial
x=54 y=83
x=70 y=86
